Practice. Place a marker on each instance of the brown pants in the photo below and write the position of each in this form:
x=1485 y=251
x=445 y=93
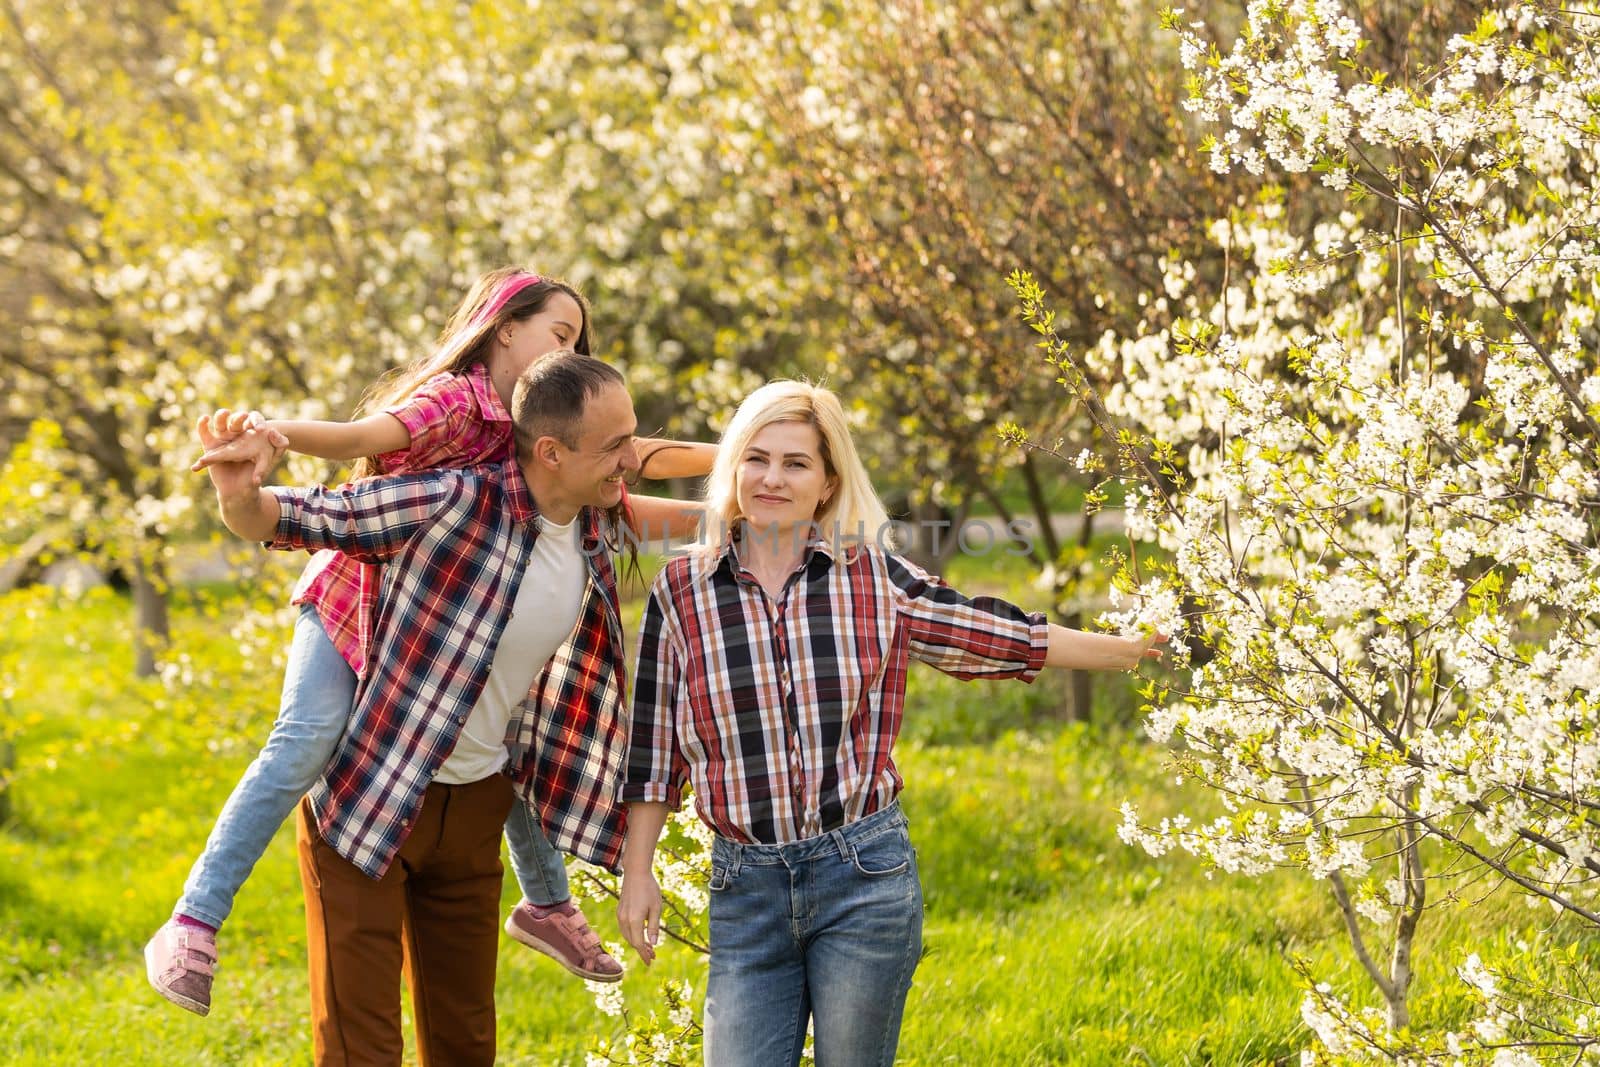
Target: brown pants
x=434 y=913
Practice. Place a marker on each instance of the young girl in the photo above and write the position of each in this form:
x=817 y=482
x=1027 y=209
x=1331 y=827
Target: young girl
x=448 y=410
x=772 y=678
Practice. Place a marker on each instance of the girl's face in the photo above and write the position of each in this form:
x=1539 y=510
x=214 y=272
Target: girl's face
x=521 y=341
x=781 y=479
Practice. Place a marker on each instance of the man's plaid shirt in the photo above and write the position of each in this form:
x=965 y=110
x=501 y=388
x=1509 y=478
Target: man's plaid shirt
x=456 y=543
x=455 y=420
x=783 y=713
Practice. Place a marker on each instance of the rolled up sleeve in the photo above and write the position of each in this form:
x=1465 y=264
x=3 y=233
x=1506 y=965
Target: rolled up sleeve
x=967 y=637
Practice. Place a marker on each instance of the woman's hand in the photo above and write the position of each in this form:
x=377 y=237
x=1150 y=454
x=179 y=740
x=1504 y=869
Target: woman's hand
x=1148 y=647
x=1080 y=650
x=639 y=913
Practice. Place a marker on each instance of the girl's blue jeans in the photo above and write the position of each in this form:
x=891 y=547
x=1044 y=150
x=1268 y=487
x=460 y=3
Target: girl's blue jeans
x=319 y=690
x=828 y=929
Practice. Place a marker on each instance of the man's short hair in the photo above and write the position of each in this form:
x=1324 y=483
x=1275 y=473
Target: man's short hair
x=550 y=396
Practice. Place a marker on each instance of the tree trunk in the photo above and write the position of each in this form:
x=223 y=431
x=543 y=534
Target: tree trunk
x=934 y=533
x=1080 y=684
x=1416 y=898
x=8 y=763
x=1082 y=695
x=152 y=627
x=1041 y=507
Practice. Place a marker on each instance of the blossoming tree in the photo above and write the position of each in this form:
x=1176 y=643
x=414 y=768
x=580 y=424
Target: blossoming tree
x=1371 y=459
x=211 y=204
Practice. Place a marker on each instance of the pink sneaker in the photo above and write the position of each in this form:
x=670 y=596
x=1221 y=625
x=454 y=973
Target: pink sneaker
x=563 y=934
x=179 y=961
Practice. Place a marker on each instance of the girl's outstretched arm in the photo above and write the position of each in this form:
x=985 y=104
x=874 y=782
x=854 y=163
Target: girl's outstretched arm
x=661 y=458
x=369 y=436
x=247 y=509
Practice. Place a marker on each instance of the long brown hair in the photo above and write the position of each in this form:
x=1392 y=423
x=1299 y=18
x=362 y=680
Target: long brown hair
x=466 y=337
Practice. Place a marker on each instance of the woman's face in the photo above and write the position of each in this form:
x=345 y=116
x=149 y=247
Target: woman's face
x=781 y=478
x=521 y=341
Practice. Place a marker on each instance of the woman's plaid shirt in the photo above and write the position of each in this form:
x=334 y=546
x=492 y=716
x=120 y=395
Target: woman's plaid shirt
x=456 y=543
x=782 y=714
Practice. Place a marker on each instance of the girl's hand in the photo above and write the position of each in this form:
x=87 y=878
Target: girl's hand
x=238 y=436
x=639 y=913
x=224 y=424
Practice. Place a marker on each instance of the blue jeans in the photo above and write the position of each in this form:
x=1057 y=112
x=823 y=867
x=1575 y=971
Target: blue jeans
x=319 y=690
x=827 y=929
x=540 y=869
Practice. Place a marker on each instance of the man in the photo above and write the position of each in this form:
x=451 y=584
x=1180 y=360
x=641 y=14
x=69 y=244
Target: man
x=498 y=587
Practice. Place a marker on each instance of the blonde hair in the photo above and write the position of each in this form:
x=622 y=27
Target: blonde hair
x=497 y=297
x=852 y=514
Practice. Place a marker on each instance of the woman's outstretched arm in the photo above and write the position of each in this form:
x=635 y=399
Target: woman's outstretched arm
x=1080 y=650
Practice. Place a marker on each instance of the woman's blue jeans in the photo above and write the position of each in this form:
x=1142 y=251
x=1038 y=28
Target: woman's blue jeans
x=318 y=692
x=827 y=929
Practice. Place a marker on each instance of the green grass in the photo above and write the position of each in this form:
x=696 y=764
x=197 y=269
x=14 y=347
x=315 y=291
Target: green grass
x=1048 y=941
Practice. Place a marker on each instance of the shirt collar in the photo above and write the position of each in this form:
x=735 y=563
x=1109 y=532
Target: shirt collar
x=483 y=391
x=520 y=498
x=727 y=557
x=525 y=509
x=594 y=529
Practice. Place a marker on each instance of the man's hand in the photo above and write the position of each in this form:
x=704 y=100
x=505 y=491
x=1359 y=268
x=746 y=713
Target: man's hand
x=246 y=509
x=237 y=436
x=639 y=913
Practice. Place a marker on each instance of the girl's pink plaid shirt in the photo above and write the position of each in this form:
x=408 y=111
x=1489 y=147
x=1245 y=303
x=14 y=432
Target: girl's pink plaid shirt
x=455 y=420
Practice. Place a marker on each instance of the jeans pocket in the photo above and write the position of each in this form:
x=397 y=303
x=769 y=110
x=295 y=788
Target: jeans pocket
x=721 y=878
x=886 y=854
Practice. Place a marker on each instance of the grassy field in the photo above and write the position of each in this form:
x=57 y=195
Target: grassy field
x=1048 y=941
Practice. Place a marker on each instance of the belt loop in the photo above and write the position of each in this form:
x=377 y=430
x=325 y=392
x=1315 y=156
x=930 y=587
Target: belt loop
x=737 y=859
x=839 y=843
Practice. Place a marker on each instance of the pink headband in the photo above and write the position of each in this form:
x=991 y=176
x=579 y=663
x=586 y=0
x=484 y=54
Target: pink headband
x=508 y=289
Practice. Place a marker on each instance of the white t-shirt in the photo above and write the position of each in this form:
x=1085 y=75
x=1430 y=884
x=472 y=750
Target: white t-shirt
x=542 y=618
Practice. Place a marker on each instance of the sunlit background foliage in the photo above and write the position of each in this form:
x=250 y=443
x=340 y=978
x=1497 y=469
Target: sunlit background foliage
x=1314 y=283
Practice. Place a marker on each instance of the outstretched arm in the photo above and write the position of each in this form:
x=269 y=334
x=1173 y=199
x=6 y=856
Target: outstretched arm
x=370 y=436
x=1080 y=650
x=974 y=637
x=369 y=521
x=639 y=904
x=660 y=458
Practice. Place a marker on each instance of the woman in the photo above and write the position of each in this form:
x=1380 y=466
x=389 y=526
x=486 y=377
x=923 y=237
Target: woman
x=771 y=678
